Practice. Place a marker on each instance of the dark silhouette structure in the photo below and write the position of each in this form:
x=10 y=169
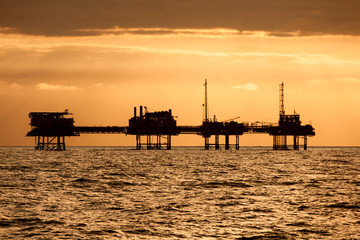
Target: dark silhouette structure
x=289 y=125
x=161 y=125
x=214 y=128
x=50 y=129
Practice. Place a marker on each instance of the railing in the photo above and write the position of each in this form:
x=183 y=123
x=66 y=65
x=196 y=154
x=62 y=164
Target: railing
x=105 y=130
x=190 y=129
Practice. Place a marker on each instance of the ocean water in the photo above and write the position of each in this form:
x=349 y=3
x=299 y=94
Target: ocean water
x=184 y=193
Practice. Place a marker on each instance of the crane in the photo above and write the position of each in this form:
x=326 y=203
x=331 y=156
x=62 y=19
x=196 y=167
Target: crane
x=231 y=119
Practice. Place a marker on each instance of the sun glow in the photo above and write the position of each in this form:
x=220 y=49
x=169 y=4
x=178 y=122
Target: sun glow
x=118 y=71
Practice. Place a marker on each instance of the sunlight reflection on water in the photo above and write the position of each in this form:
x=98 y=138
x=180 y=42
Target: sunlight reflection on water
x=253 y=193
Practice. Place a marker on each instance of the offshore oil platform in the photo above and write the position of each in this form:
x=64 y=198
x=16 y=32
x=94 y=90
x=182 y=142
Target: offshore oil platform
x=51 y=128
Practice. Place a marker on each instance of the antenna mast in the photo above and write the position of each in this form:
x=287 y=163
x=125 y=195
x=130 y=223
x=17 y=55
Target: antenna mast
x=206 y=110
x=282 y=108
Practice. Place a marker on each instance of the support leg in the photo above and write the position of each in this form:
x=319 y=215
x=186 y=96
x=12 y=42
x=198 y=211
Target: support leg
x=50 y=143
x=158 y=142
x=227 y=145
x=46 y=143
x=148 y=142
x=168 y=143
x=296 y=142
x=280 y=142
x=237 y=146
x=138 y=141
x=284 y=147
x=305 y=142
x=58 y=144
x=207 y=146
x=217 y=145
x=274 y=142
x=37 y=142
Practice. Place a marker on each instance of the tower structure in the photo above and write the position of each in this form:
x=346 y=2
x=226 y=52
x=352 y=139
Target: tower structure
x=281 y=99
x=206 y=109
x=206 y=115
x=280 y=141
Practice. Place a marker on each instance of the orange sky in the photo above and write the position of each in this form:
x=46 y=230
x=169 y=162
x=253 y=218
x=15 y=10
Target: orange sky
x=101 y=66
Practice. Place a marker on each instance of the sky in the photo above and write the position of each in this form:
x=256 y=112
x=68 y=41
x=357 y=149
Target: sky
x=101 y=58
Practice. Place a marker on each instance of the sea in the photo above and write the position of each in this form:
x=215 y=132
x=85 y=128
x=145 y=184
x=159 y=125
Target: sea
x=183 y=193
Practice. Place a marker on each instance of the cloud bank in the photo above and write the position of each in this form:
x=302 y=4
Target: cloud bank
x=247 y=86
x=46 y=86
x=93 y=17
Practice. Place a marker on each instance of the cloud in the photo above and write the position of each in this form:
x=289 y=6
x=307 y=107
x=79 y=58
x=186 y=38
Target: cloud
x=278 y=17
x=247 y=86
x=46 y=86
x=7 y=30
x=349 y=79
x=15 y=85
x=98 y=85
x=69 y=65
x=163 y=31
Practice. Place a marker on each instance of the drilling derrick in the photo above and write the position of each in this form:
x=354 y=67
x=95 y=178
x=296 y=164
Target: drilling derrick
x=206 y=120
x=206 y=109
x=206 y=116
x=281 y=97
